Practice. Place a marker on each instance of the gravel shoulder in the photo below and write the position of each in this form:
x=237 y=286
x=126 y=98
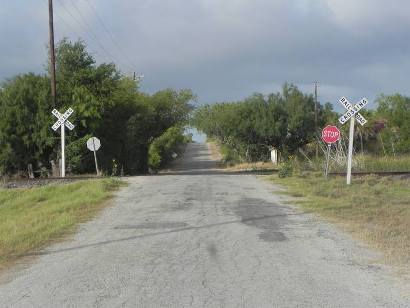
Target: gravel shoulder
x=198 y=237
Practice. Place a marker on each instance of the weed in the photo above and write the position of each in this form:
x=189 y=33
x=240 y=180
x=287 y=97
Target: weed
x=30 y=218
x=375 y=209
x=285 y=169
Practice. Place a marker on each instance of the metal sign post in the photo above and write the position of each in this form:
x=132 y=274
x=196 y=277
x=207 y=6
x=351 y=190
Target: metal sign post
x=329 y=145
x=352 y=111
x=93 y=144
x=62 y=122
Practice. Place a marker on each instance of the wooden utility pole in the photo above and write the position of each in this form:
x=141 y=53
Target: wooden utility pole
x=138 y=77
x=52 y=53
x=316 y=128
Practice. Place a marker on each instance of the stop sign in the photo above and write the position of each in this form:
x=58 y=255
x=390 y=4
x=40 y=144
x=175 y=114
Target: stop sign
x=330 y=134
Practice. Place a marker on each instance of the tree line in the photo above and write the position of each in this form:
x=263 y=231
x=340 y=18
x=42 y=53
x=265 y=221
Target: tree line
x=249 y=128
x=106 y=104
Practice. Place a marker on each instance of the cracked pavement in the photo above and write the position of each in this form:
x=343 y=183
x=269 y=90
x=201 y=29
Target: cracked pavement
x=198 y=237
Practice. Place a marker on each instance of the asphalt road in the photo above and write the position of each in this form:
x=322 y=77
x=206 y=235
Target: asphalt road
x=197 y=237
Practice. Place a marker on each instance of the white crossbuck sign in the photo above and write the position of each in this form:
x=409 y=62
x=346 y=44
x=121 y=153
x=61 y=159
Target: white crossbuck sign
x=61 y=123
x=353 y=111
x=62 y=119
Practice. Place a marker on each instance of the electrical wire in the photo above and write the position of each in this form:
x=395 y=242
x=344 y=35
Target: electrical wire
x=88 y=25
x=72 y=29
x=84 y=25
x=110 y=35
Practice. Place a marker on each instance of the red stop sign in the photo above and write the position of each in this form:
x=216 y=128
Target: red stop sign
x=330 y=134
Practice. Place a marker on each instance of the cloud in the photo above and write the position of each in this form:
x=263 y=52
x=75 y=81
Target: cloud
x=369 y=15
x=226 y=50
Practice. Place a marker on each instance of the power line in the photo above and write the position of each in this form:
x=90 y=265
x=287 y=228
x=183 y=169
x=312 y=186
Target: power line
x=89 y=31
x=88 y=25
x=72 y=29
x=111 y=36
x=85 y=25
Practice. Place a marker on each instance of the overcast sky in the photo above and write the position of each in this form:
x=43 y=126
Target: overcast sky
x=225 y=50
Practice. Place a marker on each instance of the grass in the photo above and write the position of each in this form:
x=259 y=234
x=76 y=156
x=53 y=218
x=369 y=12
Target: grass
x=383 y=163
x=361 y=163
x=371 y=163
x=231 y=161
x=229 y=156
x=31 y=218
x=375 y=209
x=215 y=150
x=260 y=165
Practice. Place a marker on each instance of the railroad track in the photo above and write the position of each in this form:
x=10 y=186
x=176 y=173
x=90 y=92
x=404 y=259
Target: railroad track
x=21 y=183
x=380 y=173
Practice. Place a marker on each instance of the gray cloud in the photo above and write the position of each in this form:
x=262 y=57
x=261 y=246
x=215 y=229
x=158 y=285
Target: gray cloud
x=226 y=50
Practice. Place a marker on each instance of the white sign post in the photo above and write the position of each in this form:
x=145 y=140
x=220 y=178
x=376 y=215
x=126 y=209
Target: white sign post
x=93 y=144
x=62 y=122
x=352 y=113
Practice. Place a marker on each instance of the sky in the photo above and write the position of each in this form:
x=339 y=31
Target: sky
x=225 y=50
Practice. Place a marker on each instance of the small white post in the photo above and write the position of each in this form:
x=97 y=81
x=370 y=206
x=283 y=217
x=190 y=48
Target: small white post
x=62 y=151
x=349 y=158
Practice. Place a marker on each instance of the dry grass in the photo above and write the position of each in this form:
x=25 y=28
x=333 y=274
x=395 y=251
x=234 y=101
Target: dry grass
x=217 y=154
x=260 y=165
x=374 y=209
x=369 y=163
x=382 y=163
x=31 y=218
x=215 y=151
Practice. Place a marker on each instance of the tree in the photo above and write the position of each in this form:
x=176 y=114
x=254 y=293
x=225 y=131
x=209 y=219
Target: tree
x=24 y=123
x=394 y=110
x=252 y=126
x=106 y=104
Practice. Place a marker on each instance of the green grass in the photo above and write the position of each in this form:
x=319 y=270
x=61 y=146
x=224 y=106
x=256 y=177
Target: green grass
x=31 y=218
x=375 y=209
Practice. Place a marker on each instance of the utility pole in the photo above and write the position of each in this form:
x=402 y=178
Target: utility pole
x=52 y=53
x=316 y=128
x=139 y=77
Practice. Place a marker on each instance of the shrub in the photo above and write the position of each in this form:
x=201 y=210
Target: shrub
x=285 y=169
x=161 y=149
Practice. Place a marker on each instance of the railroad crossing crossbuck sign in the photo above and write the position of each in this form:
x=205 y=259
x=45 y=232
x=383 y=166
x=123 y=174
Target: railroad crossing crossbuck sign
x=62 y=118
x=62 y=122
x=352 y=113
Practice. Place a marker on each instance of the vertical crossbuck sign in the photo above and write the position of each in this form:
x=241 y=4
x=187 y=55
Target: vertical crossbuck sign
x=62 y=122
x=352 y=113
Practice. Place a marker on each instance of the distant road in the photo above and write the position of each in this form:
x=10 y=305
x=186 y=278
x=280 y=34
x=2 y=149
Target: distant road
x=200 y=238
